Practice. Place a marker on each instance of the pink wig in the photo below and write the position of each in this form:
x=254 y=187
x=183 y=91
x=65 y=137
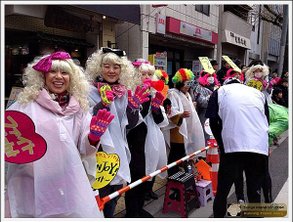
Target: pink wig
x=203 y=79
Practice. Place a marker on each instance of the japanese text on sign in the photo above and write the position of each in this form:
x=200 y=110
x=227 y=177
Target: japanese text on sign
x=231 y=63
x=22 y=143
x=9 y=145
x=107 y=168
x=207 y=66
x=255 y=84
x=238 y=39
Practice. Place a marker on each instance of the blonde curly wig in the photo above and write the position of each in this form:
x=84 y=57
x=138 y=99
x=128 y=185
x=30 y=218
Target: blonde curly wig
x=35 y=81
x=94 y=67
x=249 y=74
x=144 y=67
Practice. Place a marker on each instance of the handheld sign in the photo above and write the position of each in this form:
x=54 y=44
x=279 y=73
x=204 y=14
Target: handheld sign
x=22 y=143
x=206 y=64
x=231 y=63
x=107 y=168
x=255 y=83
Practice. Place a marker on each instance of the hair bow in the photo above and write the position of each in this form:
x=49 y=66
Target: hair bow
x=139 y=62
x=118 y=52
x=44 y=65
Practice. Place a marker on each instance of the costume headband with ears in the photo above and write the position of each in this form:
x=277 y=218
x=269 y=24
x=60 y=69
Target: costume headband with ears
x=44 y=65
x=118 y=52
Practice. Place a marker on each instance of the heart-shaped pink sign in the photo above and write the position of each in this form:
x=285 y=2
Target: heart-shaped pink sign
x=22 y=143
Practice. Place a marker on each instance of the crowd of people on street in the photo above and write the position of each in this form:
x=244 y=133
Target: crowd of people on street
x=123 y=107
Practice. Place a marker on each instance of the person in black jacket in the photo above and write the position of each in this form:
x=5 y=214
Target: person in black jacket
x=136 y=138
x=223 y=71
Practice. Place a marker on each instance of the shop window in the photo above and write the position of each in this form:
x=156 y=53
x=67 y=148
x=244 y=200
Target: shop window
x=238 y=10
x=204 y=9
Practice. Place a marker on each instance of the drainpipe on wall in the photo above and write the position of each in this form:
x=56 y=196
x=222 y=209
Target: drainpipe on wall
x=283 y=39
x=220 y=33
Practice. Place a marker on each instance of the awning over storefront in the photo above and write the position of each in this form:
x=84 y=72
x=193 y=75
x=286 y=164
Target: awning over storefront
x=128 y=13
x=55 y=39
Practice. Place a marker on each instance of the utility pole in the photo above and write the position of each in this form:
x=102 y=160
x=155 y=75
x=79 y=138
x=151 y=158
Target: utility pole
x=283 y=39
x=220 y=34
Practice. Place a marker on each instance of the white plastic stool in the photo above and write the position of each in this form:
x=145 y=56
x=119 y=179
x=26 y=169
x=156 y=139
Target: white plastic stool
x=205 y=192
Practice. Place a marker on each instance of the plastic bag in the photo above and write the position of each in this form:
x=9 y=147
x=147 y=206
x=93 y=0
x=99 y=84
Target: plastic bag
x=278 y=121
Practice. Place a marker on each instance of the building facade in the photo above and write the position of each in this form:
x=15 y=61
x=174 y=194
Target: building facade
x=181 y=33
x=170 y=36
x=236 y=32
x=35 y=30
x=271 y=42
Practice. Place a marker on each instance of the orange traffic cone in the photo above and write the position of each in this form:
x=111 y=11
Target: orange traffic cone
x=214 y=177
x=214 y=158
x=212 y=152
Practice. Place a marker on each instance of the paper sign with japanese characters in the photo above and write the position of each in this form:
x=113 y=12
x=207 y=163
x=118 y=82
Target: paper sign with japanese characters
x=107 y=168
x=22 y=143
x=206 y=64
x=231 y=63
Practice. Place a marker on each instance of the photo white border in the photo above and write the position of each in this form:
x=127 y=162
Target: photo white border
x=3 y=3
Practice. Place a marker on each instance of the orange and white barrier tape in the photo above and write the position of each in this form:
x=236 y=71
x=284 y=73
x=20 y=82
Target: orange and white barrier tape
x=102 y=201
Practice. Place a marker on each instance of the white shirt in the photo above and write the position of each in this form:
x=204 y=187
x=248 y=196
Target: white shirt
x=245 y=126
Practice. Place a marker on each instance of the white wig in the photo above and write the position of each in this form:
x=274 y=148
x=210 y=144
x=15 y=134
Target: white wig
x=35 y=81
x=249 y=74
x=144 y=67
x=94 y=67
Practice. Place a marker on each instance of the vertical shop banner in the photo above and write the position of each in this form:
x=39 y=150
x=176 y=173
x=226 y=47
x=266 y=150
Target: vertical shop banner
x=22 y=143
x=207 y=66
x=161 y=23
x=196 y=66
x=231 y=63
x=159 y=60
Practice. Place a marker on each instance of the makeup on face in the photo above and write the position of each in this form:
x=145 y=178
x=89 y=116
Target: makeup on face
x=111 y=72
x=57 y=81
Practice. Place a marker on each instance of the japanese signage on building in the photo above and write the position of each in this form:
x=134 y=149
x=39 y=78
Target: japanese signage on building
x=236 y=39
x=161 y=23
x=195 y=31
x=182 y=28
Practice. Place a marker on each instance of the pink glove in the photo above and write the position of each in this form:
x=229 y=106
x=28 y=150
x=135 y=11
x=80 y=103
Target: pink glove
x=99 y=124
x=107 y=95
x=140 y=96
x=157 y=101
x=147 y=82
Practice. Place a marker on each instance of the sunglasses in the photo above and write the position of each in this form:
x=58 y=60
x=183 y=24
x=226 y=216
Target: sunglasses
x=188 y=83
x=118 y=52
